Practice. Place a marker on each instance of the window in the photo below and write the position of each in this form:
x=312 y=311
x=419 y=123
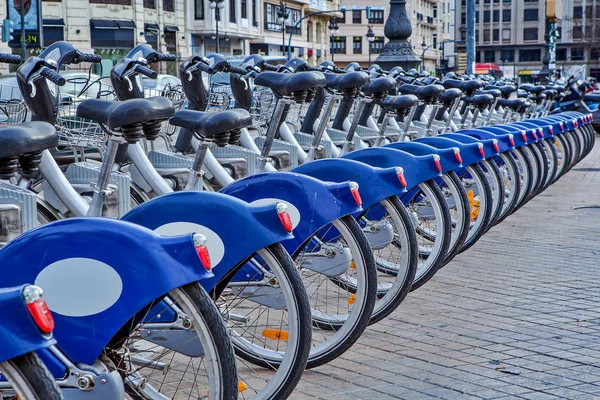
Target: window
x=477 y=56
x=505 y=15
x=530 y=34
x=231 y=10
x=463 y=35
x=169 y=5
x=531 y=1
x=486 y=16
x=434 y=44
x=357 y=45
x=507 y=56
x=254 y=14
x=198 y=9
x=577 y=53
x=589 y=11
x=463 y=18
x=150 y=4
x=435 y=12
x=377 y=45
x=506 y=35
x=530 y=15
x=577 y=12
x=486 y=36
x=376 y=17
x=338 y=44
x=476 y=17
x=496 y=16
x=577 y=32
x=343 y=19
x=271 y=23
x=598 y=11
x=489 y=56
x=561 y=54
x=506 y=1
x=530 y=55
x=121 y=2
x=356 y=16
x=244 y=9
x=496 y=35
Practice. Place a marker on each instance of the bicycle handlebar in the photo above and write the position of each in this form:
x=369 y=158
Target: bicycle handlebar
x=237 y=70
x=10 y=59
x=269 y=67
x=140 y=69
x=52 y=76
x=166 y=57
x=92 y=58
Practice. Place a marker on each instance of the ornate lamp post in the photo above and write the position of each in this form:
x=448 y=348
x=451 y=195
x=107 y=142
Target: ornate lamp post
x=334 y=29
x=217 y=5
x=283 y=14
x=398 y=51
x=370 y=40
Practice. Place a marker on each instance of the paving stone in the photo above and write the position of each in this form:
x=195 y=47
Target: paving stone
x=516 y=299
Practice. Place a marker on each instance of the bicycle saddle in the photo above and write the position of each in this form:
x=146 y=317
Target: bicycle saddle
x=349 y=80
x=513 y=104
x=426 y=93
x=400 y=104
x=507 y=90
x=494 y=92
x=480 y=100
x=526 y=87
x=24 y=138
x=213 y=125
x=289 y=84
x=449 y=96
x=379 y=86
x=116 y=114
x=537 y=89
x=550 y=93
x=467 y=87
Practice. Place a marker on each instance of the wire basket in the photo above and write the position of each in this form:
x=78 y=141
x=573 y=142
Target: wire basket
x=220 y=98
x=262 y=108
x=12 y=108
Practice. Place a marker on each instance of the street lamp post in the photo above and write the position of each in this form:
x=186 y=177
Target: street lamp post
x=370 y=40
x=282 y=15
x=424 y=47
x=217 y=5
x=334 y=29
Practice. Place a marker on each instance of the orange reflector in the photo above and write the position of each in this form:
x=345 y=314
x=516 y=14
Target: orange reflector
x=242 y=387
x=353 y=265
x=352 y=299
x=275 y=334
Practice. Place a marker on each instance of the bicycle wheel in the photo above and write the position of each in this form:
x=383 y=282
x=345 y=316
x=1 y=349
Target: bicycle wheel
x=268 y=316
x=177 y=347
x=511 y=181
x=396 y=254
x=493 y=175
x=542 y=164
x=527 y=180
x=458 y=204
x=550 y=158
x=431 y=220
x=480 y=198
x=30 y=378
x=339 y=274
x=563 y=156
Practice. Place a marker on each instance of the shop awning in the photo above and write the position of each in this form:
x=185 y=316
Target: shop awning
x=151 y=27
x=104 y=24
x=126 y=24
x=53 y=22
x=171 y=28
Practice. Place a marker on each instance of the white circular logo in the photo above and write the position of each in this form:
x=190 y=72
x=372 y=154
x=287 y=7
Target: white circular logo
x=216 y=247
x=80 y=287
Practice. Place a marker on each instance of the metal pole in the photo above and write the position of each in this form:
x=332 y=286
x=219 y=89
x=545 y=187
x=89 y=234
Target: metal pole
x=470 y=36
x=299 y=22
x=331 y=48
x=23 y=42
x=217 y=18
x=369 y=44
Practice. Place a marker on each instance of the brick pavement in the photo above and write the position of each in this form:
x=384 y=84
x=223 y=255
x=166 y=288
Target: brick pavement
x=525 y=299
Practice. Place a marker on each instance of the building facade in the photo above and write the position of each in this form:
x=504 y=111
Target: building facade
x=430 y=20
x=510 y=34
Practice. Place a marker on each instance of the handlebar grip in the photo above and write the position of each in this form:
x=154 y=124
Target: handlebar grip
x=167 y=57
x=52 y=76
x=269 y=67
x=237 y=70
x=93 y=58
x=140 y=69
x=10 y=59
x=309 y=68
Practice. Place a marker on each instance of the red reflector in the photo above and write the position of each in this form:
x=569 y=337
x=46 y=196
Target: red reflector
x=401 y=177
x=541 y=132
x=38 y=309
x=524 y=135
x=457 y=155
x=562 y=127
x=551 y=130
x=438 y=164
x=534 y=134
x=512 y=140
x=355 y=193
x=481 y=150
x=202 y=250
x=284 y=217
x=575 y=124
x=496 y=147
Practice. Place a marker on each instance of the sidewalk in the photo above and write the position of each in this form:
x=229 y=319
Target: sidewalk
x=515 y=317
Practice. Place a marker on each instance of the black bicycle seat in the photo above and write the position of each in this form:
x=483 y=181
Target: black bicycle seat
x=288 y=84
x=479 y=100
x=550 y=93
x=378 y=87
x=494 y=92
x=24 y=138
x=116 y=114
x=538 y=89
x=400 y=104
x=212 y=124
x=426 y=93
x=507 y=90
x=449 y=96
x=349 y=80
x=513 y=104
x=526 y=87
x=467 y=87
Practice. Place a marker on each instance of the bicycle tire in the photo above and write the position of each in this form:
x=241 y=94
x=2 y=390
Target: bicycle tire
x=460 y=223
x=493 y=172
x=30 y=378
x=485 y=206
x=512 y=175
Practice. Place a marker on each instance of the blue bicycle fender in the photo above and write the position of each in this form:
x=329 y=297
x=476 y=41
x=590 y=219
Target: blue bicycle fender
x=534 y=133
x=549 y=128
x=471 y=153
x=97 y=273
x=518 y=136
x=490 y=146
x=375 y=184
x=448 y=158
x=423 y=167
x=19 y=335
x=505 y=140
x=311 y=203
x=233 y=228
